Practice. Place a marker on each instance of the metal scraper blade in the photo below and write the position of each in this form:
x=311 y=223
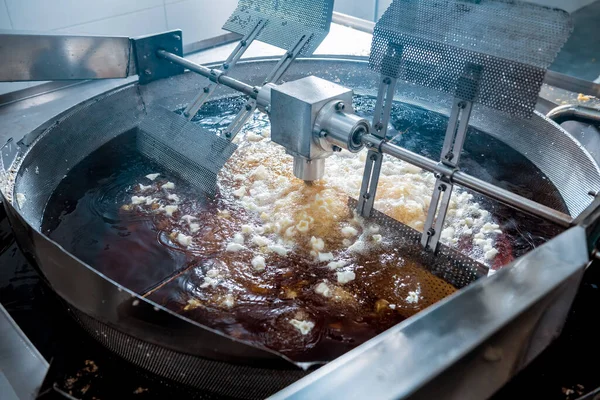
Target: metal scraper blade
x=183 y=148
x=287 y=21
x=430 y=43
x=448 y=264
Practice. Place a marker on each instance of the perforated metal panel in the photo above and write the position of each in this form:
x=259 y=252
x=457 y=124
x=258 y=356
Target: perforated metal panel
x=215 y=377
x=450 y=265
x=288 y=21
x=184 y=148
x=444 y=44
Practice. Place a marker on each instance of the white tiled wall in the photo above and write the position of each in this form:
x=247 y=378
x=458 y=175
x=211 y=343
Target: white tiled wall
x=4 y=19
x=48 y=15
x=364 y=9
x=137 y=23
x=200 y=19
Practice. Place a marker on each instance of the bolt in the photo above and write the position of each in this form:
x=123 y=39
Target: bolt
x=255 y=89
x=387 y=81
x=379 y=126
x=431 y=232
x=462 y=104
x=248 y=107
x=225 y=66
x=373 y=157
x=289 y=54
x=228 y=134
x=437 y=175
x=449 y=156
x=369 y=145
x=366 y=196
x=213 y=72
x=206 y=89
x=147 y=72
x=340 y=106
x=442 y=188
x=336 y=149
x=244 y=43
x=176 y=37
x=323 y=133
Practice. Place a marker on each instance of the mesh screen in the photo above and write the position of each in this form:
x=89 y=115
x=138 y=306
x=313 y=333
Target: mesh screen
x=216 y=377
x=443 y=43
x=184 y=148
x=450 y=265
x=288 y=21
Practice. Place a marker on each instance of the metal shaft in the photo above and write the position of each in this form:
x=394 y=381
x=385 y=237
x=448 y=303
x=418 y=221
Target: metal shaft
x=470 y=182
x=214 y=75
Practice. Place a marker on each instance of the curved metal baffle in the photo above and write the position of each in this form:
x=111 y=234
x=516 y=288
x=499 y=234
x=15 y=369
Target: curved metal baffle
x=297 y=27
x=491 y=52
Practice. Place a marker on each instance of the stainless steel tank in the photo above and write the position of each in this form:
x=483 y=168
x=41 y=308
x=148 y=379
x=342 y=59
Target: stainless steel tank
x=520 y=309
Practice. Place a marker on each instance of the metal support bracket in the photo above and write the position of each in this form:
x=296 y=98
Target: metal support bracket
x=276 y=73
x=456 y=133
x=150 y=66
x=228 y=65
x=383 y=109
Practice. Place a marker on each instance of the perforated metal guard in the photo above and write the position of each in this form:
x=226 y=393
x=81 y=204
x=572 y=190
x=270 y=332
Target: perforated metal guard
x=433 y=42
x=218 y=378
x=184 y=148
x=288 y=21
x=450 y=265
